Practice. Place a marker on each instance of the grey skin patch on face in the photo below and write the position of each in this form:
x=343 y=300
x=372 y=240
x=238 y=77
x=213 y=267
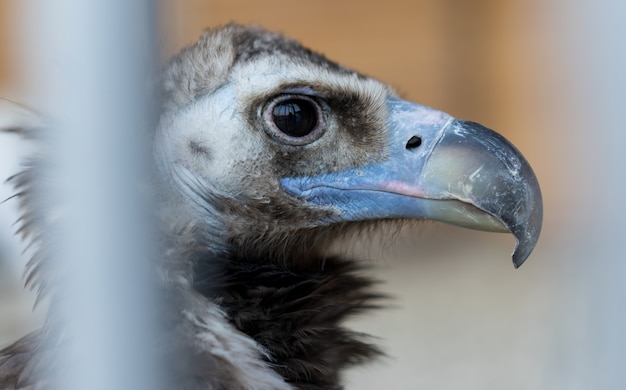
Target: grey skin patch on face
x=198 y=149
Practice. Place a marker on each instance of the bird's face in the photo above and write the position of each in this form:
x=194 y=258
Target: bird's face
x=282 y=141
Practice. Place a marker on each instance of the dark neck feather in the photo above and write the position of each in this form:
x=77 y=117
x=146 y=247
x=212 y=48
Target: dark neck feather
x=296 y=314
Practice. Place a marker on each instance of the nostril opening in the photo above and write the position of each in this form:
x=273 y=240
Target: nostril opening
x=414 y=142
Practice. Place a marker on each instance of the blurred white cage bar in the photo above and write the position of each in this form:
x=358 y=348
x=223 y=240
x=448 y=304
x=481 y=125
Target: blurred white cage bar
x=92 y=60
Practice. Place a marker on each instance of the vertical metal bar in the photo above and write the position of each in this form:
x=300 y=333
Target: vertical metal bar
x=604 y=88
x=593 y=58
x=96 y=59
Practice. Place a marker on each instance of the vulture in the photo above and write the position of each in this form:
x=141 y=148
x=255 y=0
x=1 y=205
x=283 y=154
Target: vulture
x=264 y=153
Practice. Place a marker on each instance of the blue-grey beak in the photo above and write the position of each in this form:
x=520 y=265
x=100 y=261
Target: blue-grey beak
x=437 y=168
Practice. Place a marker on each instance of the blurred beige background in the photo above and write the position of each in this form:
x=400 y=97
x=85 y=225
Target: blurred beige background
x=462 y=318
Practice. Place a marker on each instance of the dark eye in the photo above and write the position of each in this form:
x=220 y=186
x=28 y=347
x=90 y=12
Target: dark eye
x=295 y=117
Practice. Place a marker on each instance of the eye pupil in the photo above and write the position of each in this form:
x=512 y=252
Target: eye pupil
x=295 y=117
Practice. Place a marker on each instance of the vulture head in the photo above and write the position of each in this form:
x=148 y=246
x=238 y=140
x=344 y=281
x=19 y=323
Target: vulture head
x=264 y=152
x=276 y=146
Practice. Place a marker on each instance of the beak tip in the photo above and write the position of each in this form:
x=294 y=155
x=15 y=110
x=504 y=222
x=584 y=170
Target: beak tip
x=510 y=190
x=526 y=243
x=518 y=260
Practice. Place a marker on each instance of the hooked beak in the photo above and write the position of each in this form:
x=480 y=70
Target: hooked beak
x=437 y=168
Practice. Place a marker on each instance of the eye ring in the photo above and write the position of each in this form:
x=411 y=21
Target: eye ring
x=294 y=119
